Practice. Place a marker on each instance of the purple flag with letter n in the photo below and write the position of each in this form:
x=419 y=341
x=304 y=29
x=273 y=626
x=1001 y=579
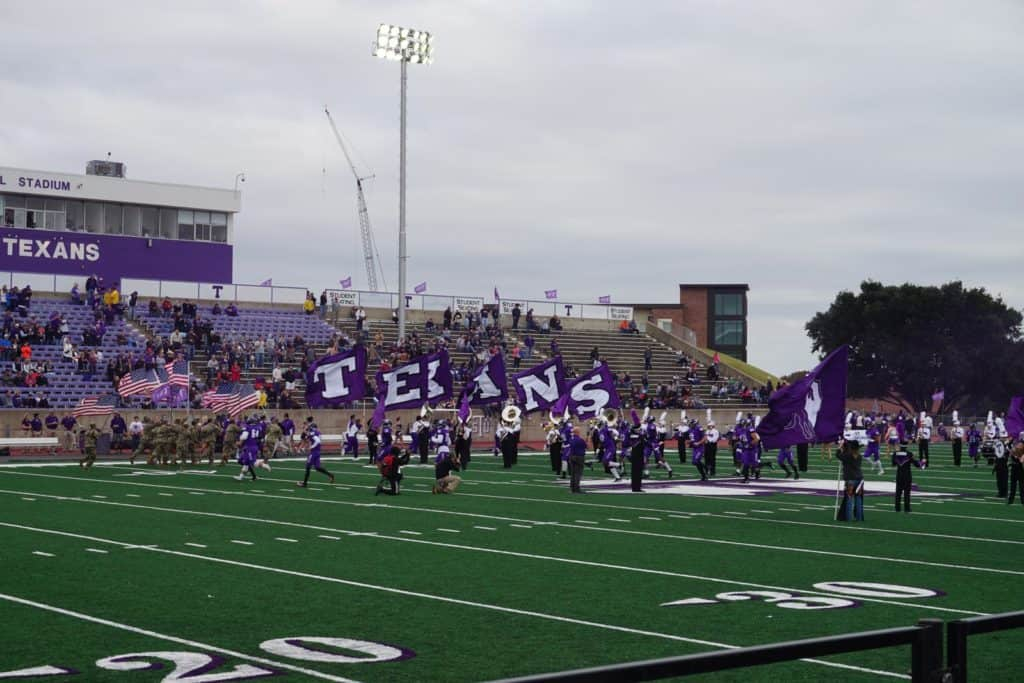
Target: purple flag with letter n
x=811 y=410
x=550 y=293
x=489 y=384
x=589 y=395
x=420 y=288
x=541 y=386
x=424 y=380
x=1014 y=421
x=337 y=379
x=346 y=283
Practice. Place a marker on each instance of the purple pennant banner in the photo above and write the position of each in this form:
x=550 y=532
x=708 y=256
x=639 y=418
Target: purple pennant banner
x=550 y=293
x=424 y=380
x=269 y=282
x=420 y=288
x=490 y=384
x=346 y=283
x=604 y=299
x=589 y=395
x=337 y=379
x=497 y=297
x=172 y=396
x=811 y=410
x=1014 y=421
x=539 y=387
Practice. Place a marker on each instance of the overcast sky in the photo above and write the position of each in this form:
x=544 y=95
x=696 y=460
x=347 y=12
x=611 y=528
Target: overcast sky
x=593 y=147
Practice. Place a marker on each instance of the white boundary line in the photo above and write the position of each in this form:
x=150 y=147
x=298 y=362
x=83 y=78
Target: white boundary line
x=173 y=639
x=388 y=589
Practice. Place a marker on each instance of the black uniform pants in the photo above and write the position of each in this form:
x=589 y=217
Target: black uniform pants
x=575 y=472
x=682 y=450
x=710 y=455
x=958 y=451
x=555 y=453
x=1016 y=482
x=903 y=490
x=1001 y=476
x=507 y=452
x=801 y=456
x=423 y=442
x=636 y=468
x=922 y=449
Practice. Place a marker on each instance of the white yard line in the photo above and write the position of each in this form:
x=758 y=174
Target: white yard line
x=586 y=521
x=40 y=553
x=410 y=533
x=195 y=545
x=96 y=550
x=174 y=639
x=241 y=542
x=286 y=540
x=616 y=519
x=449 y=531
x=132 y=495
x=329 y=538
x=485 y=528
x=445 y=599
x=27 y=498
x=521 y=526
x=653 y=519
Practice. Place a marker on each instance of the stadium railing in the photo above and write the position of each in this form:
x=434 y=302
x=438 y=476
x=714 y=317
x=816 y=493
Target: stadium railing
x=957 y=632
x=925 y=640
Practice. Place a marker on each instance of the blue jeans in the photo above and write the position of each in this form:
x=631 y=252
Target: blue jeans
x=855 y=502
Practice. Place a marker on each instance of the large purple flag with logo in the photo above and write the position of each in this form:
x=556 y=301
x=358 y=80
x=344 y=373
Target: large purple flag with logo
x=1014 y=421
x=539 y=387
x=811 y=410
x=489 y=384
x=589 y=395
x=337 y=379
x=424 y=380
x=550 y=293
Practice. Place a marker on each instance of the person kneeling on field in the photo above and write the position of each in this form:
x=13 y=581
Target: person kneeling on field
x=390 y=467
x=444 y=465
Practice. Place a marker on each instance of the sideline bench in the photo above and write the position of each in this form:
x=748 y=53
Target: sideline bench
x=27 y=442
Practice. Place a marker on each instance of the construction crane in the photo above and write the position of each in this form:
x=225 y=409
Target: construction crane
x=370 y=253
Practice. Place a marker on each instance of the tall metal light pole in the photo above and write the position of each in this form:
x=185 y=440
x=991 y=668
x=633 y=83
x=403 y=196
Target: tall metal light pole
x=403 y=45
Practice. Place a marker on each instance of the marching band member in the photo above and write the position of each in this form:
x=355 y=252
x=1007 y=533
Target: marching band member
x=554 y=443
x=711 y=437
x=660 y=434
x=873 y=450
x=698 y=446
x=924 y=438
x=973 y=443
x=352 y=437
x=958 y=439
x=681 y=435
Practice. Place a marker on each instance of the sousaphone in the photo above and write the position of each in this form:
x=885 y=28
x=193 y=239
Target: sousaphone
x=511 y=414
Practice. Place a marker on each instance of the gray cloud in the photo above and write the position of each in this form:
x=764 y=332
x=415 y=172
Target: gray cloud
x=600 y=147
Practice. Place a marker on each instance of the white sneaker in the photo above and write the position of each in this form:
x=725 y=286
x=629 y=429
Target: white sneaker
x=238 y=478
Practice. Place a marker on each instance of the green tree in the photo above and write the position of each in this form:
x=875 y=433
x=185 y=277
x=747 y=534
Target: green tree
x=908 y=342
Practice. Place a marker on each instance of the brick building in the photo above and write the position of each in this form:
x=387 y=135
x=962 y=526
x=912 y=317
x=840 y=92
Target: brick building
x=715 y=313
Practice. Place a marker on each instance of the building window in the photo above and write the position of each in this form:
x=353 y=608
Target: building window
x=728 y=304
x=186 y=225
x=150 y=221
x=219 y=229
x=728 y=333
x=112 y=219
x=132 y=220
x=169 y=224
x=74 y=218
x=93 y=217
x=203 y=225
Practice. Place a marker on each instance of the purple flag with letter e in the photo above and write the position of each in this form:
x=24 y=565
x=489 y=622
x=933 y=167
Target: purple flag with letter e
x=489 y=384
x=540 y=387
x=424 y=380
x=346 y=283
x=1014 y=421
x=420 y=288
x=550 y=293
x=589 y=395
x=811 y=410
x=337 y=379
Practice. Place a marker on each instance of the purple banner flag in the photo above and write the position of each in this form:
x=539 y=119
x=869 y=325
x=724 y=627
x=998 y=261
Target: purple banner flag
x=269 y=282
x=464 y=408
x=424 y=380
x=337 y=379
x=420 y=288
x=497 y=297
x=490 y=384
x=589 y=395
x=811 y=410
x=346 y=283
x=939 y=395
x=550 y=293
x=606 y=299
x=540 y=387
x=172 y=396
x=1014 y=421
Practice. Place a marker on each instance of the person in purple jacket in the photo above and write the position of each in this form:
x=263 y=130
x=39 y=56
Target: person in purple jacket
x=313 y=459
x=785 y=461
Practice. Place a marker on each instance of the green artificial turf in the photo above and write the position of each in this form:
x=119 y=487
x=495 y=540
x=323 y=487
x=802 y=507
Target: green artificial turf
x=512 y=575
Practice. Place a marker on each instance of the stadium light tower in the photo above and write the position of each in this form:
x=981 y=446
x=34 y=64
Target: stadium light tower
x=403 y=45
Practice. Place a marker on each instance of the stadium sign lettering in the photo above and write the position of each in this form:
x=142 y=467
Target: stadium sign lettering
x=31 y=183
x=50 y=249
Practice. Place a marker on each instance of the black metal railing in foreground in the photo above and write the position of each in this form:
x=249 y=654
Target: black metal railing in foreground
x=925 y=640
x=957 y=632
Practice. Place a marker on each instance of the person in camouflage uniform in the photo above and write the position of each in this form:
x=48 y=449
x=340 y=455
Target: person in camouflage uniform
x=275 y=438
x=208 y=432
x=90 y=438
x=186 y=442
x=163 y=442
x=231 y=433
x=145 y=441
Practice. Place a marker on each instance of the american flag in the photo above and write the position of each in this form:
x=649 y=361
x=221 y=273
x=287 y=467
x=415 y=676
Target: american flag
x=177 y=373
x=139 y=381
x=217 y=399
x=95 y=405
x=245 y=397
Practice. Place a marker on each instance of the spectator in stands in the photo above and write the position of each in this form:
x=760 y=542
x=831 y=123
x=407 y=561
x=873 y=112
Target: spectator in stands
x=531 y=323
x=648 y=355
x=216 y=308
x=555 y=323
x=624 y=327
x=446 y=319
x=516 y=313
x=133 y=301
x=76 y=297
x=360 y=319
x=555 y=349
x=25 y=353
x=457 y=320
x=236 y=372
x=166 y=307
x=309 y=305
x=394 y=315
x=231 y=310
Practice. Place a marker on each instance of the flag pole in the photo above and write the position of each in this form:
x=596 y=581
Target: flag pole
x=839 y=476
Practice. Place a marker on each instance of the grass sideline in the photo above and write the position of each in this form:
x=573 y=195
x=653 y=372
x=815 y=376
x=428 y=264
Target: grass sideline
x=510 y=576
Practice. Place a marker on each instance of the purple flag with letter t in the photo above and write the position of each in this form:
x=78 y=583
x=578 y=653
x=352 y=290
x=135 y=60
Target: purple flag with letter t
x=420 y=288
x=337 y=379
x=539 y=387
x=550 y=293
x=346 y=283
x=1014 y=421
x=811 y=410
x=590 y=394
x=489 y=384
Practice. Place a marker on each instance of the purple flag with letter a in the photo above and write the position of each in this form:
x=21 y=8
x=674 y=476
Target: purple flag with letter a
x=550 y=293
x=1014 y=421
x=540 y=387
x=811 y=410
x=424 y=380
x=337 y=379
x=489 y=384
x=589 y=395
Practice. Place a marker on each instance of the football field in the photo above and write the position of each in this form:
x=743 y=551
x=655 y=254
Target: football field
x=140 y=573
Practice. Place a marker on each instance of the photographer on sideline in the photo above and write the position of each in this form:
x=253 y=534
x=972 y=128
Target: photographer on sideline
x=390 y=467
x=852 y=507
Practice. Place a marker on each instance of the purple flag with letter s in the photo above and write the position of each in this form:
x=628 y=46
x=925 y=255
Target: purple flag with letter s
x=589 y=395
x=337 y=379
x=550 y=293
x=489 y=384
x=1014 y=421
x=539 y=387
x=811 y=410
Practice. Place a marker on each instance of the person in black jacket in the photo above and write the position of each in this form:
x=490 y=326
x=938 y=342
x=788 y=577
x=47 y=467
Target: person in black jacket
x=852 y=507
x=903 y=460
